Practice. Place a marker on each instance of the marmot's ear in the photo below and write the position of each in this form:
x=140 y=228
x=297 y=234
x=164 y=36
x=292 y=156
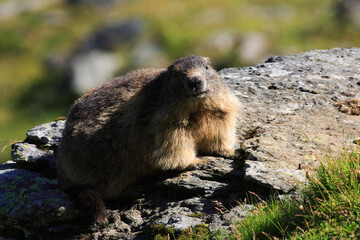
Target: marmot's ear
x=171 y=74
x=207 y=61
x=170 y=69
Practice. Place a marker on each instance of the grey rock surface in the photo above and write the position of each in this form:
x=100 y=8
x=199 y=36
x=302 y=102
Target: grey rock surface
x=178 y=219
x=291 y=114
x=29 y=201
x=290 y=117
x=30 y=152
x=283 y=179
x=204 y=181
x=47 y=133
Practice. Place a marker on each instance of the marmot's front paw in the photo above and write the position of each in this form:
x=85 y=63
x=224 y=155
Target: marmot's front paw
x=226 y=153
x=197 y=164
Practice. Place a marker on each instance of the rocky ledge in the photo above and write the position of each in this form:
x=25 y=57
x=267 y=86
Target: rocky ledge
x=294 y=109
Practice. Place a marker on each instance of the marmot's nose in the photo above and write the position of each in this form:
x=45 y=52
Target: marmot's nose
x=197 y=82
x=197 y=85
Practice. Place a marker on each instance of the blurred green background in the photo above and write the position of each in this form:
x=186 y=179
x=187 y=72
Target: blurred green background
x=41 y=42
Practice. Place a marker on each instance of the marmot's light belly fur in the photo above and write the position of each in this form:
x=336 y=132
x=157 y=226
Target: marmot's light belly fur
x=144 y=121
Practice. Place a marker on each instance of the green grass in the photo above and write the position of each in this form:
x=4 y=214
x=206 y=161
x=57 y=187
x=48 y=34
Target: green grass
x=329 y=207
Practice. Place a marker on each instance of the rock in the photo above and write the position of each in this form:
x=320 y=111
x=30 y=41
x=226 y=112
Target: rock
x=253 y=47
x=278 y=179
x=225 y=218
x=32 y=154
x=178 y=219
x=95 y=3
x=205 y=181
x=237 y=213
x=132 y=217
x=95 y=61
x=348 y=11
x=293 y=111
x=145 y=53
x=47 y=133
x=37 y=151
x=290 y=117
x=247 y=48
x=113 y=35
x=30 y=201
x=91 y=69
x=221 y=42
x=12 y=8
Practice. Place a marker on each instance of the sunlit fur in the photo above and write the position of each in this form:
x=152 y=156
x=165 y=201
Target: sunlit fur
x=146 y=121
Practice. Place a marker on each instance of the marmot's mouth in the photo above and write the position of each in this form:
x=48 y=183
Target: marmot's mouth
x=201 y=94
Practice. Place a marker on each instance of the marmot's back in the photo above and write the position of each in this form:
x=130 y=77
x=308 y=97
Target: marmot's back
x=92 y=108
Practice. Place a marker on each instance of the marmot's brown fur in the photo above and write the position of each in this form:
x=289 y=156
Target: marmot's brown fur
x=144 y=121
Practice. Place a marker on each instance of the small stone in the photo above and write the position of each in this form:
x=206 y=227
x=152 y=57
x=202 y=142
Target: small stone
x=132 y=217
x=31 y=153
x=47 y=133
x=188 y=184
x=278 y=179
x=178 y=221
x=237 y=213
x=274 y=59
x=194 y=204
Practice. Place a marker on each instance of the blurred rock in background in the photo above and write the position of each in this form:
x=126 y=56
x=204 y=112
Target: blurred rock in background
x=95 y=3
x=221 y=42
x=113 y=35
x=145 y=52
x=91 y=69
x=254 y=47
x=99 y=57
x=12 y=8
x=348 y=11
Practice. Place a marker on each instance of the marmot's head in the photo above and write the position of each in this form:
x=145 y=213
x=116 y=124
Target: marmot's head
x=191 y=74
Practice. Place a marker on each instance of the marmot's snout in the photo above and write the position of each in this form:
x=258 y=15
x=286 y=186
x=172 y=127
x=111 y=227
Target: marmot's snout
x=197 y=83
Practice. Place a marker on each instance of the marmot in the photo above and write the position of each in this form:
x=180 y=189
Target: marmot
x=147 y=120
